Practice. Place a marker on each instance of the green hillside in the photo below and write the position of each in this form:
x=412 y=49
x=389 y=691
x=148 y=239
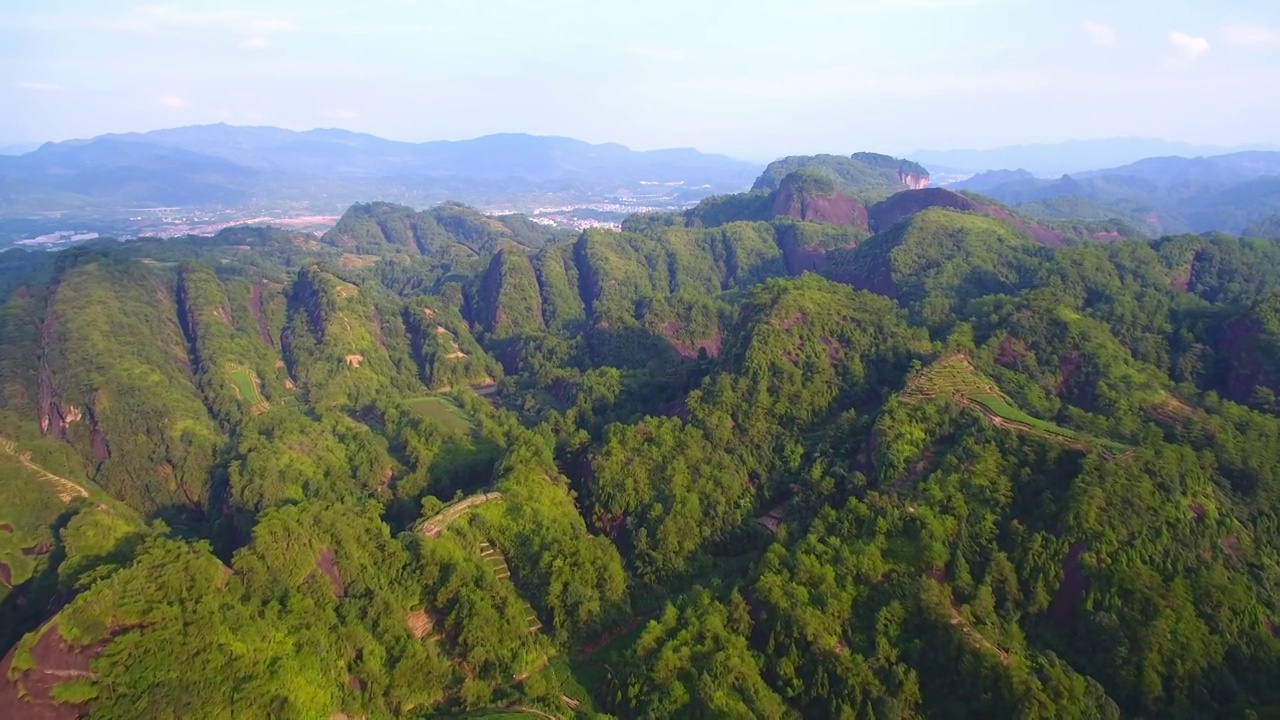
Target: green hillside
x=717 y=464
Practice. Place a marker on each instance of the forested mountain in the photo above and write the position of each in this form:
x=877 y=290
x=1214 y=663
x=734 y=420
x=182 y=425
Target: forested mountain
x=869 y=176
x=223 y=165
x=819 y=450
x=1158 y=195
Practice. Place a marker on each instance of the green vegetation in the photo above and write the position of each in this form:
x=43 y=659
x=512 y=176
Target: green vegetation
x=866 y=176
x=436 y=464
x=955 y=378
x=441 y=411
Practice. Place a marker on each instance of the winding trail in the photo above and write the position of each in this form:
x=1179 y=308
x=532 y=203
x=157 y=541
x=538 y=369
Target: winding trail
x=66 y=488
x=434 y=525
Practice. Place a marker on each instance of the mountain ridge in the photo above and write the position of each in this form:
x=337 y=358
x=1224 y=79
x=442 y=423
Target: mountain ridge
x=224 y=165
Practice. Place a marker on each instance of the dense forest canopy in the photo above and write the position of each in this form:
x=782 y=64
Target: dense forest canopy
x=828 y=449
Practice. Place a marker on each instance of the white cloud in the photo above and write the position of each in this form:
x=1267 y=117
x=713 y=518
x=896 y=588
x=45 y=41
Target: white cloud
x=1187 y=49
x=257 y=42
x=1099 y=33
x=172 y=101
x=1251 y=35
x=345 y=115
x=38 y=86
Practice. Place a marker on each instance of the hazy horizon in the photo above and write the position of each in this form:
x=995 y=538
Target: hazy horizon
x=747 y=80
x=35 y=143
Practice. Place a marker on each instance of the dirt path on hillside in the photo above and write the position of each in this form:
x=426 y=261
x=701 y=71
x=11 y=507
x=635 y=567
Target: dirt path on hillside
x=66 y=488
x=591 y=648
x=434 y=525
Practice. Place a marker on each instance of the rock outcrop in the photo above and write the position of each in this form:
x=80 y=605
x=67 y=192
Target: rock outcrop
x=913 y=180
x=801 y=199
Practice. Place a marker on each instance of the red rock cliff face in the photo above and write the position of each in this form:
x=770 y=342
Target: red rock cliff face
x=913 y=181
x=834 y=209
x=801 y=258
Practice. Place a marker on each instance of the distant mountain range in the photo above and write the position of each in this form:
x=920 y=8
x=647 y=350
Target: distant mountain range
x=228 y=165
x=1052 y=160
x=1161 y=195
x=227 y=173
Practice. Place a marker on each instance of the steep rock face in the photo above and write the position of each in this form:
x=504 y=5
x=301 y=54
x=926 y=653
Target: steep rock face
x=884 y=215
x=29 y=693
x=913 y=180
x=795 y=200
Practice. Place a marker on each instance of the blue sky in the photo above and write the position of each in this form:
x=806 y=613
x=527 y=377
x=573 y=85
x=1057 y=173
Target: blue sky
x=752 y=79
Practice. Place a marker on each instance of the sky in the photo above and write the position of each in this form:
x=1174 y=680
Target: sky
x=751 y=79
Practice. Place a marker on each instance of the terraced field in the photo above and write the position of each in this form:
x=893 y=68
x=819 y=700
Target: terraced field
x=956 y=378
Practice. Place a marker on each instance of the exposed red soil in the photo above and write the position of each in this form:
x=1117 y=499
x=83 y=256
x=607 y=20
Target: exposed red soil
x=834 y=209
x=419 y=623
x=1011 y=351
x=325 y=564
x=1068 y=365
x=1197 y=510
x=38 y=550
x=894 y=210
x=1172 y=411
x=773 y=519
x=6 y=528
x=790 y=322
x=6 y=576
x=689 y=351
x=1231 y=548
x=1064 y=609
x=833 y=348
x=54 y=662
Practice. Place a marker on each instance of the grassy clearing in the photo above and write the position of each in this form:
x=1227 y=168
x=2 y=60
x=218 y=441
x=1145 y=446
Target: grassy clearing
x=451 y=417
x=28 y=507
x=248 y=387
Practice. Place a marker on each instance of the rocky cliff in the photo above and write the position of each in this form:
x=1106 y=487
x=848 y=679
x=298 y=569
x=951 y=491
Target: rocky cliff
x=913 y=180
x=807 y=197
